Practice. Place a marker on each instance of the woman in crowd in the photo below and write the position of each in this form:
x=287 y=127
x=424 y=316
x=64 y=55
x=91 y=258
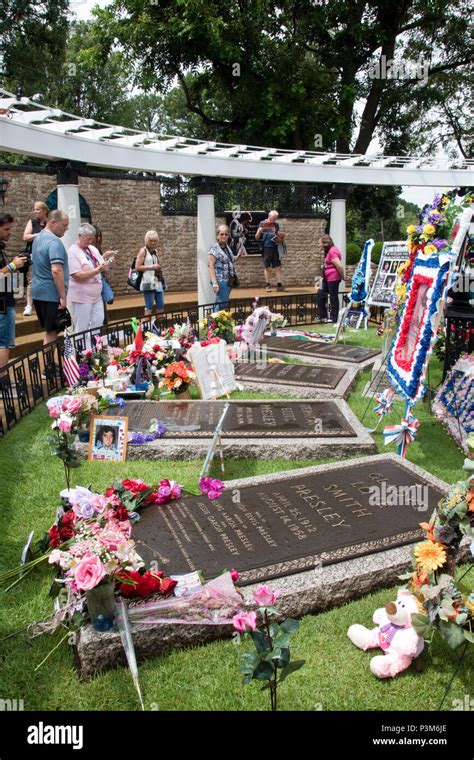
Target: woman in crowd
x=152 y=285
x=333 y=273
x=34 y=226
x=86 y=265
x=220 y=262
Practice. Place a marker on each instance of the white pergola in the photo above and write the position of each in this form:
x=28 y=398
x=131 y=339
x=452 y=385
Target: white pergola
x=32 y=129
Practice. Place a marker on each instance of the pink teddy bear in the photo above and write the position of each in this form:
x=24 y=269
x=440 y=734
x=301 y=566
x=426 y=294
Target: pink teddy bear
x=394 y=635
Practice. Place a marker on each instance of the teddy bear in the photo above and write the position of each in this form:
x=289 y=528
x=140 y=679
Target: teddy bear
x=394 y=635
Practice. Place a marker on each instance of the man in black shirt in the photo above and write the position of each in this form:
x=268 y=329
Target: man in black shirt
x=8 y=284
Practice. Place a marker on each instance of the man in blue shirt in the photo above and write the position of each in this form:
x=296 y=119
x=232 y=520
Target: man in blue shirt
x=50 y=273
x=269 y=229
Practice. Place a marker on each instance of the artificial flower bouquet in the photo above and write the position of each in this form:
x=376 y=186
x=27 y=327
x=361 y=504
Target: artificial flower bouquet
x=278 y=321
x=177 y=377
x=447 y=606
x=221 y=324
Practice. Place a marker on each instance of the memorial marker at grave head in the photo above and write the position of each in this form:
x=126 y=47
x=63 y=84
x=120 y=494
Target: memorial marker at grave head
x=300 y=347
x=292 y=522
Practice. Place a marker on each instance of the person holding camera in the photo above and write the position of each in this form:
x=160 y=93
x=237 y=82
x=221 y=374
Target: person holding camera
x=50 y=274
x=7 y=286
x=220 y=262
x=153 y=282
x=269 y=233
x=86 y=266
x=33 y=227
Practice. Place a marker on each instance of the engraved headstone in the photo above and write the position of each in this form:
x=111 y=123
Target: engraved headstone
x=255 y=419
x=292 y=523
x=300 y=347
x=307 y=375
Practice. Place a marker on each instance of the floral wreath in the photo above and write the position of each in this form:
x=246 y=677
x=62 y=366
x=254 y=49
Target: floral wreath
x=447 y=606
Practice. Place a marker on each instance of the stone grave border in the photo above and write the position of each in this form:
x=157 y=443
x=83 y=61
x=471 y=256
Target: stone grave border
x=287 y=447
x=303 y=593
x=342 y=389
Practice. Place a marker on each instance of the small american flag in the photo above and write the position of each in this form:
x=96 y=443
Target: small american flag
x=70 y=366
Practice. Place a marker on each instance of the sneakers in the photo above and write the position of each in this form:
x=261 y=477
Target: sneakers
x=28 y=311
x=268 y=288
x=280 y=286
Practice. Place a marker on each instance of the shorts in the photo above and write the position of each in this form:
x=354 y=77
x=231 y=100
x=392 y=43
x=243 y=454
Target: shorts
x=153 y=297
x=270 y=258
x=7 y=328
x=47 y=313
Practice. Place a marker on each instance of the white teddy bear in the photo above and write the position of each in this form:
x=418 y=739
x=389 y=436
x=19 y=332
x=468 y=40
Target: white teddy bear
x=395 y=635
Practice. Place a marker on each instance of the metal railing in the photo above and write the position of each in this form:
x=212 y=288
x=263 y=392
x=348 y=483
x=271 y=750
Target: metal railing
x=31 y=379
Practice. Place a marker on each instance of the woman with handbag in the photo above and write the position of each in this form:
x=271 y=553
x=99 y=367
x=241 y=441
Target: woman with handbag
x=220 y=261
x=332 y=275
x=153 y=283
x=86 y=265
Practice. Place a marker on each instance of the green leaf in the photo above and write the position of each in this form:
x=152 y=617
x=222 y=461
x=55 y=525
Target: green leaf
x=250 y=661
x=469 y=636
x=263 y=672
x=260 y=639
x=282 y=640
x=291 y=668
x=284 y=660
x=422 y=626
x=452 y=633
x=273 y=654
x=290 y=626
x=247 y=678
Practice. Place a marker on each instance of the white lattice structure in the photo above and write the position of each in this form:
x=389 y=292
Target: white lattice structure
x=36 y=130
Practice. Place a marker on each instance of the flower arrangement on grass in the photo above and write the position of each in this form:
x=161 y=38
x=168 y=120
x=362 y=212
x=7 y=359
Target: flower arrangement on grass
x=65 y=412
x=278 y=321
x=221 y=324
x=177 y=377
x=448 y=607
x=272 y=660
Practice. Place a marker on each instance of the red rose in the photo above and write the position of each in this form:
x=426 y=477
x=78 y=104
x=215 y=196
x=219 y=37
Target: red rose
x=134 y=486
x=148 y=584
x=54 y=536
x=151 y=499
x=121 y=513
x=68 y=518
x=66 y=533
x=167 y=585
x=130 y=587
x=110 y=491
x=171 y=330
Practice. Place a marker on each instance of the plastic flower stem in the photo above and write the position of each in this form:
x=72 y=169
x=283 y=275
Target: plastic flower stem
x=273 y=681
x=454 y=675
x=17 y=581
x=52 y=650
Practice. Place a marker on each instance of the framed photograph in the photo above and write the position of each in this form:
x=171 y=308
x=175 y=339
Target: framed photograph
x=383 y=285
x=413 y=341
x=108 y=439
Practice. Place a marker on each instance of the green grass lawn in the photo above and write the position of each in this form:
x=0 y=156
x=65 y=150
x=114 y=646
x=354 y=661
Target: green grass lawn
x=336 y=676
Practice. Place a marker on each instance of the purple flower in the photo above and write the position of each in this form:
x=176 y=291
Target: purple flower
x=435 y=217
x=212 y=487
x=440 y=243
x=419 y=229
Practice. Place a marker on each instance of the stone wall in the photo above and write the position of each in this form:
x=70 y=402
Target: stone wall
x=126 y=209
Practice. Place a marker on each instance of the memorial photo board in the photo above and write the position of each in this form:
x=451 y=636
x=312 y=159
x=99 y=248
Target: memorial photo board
x=383 y=287
x=291 y=522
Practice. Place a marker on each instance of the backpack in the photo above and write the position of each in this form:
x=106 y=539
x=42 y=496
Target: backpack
x=134 y=278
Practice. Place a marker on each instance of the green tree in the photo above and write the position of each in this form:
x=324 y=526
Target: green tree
x=297 y=74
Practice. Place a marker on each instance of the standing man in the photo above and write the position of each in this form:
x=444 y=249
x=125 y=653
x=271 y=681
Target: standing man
x=7 y=286
x=50 y=273
x=270 y=229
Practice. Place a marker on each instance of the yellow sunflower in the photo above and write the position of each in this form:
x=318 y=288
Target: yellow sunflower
x=429 y=249
x=430 y=555
x=411 y=229
x=429 y=229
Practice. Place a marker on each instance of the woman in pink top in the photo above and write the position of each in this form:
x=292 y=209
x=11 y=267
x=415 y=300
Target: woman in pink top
x=333 y=273
x=85 y=283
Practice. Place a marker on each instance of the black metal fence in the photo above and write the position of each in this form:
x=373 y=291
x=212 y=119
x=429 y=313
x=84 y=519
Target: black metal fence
x=33 y=378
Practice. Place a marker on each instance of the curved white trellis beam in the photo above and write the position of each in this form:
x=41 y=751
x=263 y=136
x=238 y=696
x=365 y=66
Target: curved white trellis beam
x=36 y=130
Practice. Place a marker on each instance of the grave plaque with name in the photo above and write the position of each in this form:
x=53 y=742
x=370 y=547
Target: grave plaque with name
x=257 y=419
x=300 y=347
x=305 y=375
x=289 y=524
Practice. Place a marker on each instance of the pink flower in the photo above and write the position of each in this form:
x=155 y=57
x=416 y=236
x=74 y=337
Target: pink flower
x=265 y=597
x=71 y=404
x=89 y=573
x=244 y=620
x=87 y=352
x=212 y=487
x=65 y=423
x=234 y=575
x=54 y=411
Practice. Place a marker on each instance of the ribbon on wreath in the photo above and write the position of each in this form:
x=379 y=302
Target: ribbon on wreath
x=384 y=401
x=402 y=434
